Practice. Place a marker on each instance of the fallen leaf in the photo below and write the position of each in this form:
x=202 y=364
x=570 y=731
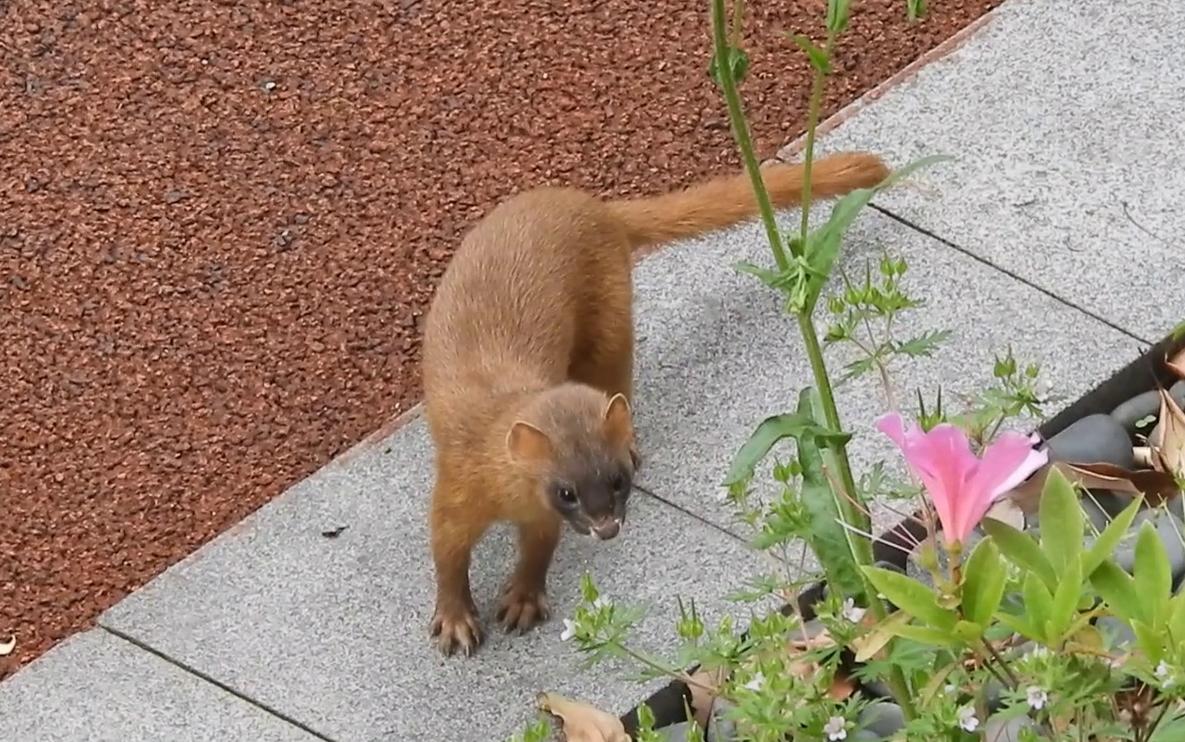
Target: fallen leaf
x=1008 y=512
x=702 y=697
x=1169 y=446
x=866 y=646
x=582 y=722
x=1156 y=486
x=7 y=647
x=333 y=532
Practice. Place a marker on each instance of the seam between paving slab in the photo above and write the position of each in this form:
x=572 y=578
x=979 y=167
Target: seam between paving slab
x=1015 y=276
x=281 y=716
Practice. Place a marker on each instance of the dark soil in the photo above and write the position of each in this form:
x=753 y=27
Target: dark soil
x=221 y=222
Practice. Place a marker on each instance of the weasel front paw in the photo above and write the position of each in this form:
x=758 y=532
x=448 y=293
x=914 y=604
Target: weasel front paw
x=455 y=629
x=522 y=608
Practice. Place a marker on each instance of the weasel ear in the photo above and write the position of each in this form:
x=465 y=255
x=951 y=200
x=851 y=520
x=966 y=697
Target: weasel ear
x=618 y=423
x=527 y=443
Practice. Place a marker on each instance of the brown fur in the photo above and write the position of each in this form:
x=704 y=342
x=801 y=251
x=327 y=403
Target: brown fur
x=528 y=343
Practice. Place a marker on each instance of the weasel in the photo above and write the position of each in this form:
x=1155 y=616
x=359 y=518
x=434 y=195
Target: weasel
x=528 y=371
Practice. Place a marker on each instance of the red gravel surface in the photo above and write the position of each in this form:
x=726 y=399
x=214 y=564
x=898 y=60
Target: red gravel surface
x=221 y=222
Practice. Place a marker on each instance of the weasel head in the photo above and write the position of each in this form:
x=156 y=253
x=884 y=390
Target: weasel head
x=576 y=445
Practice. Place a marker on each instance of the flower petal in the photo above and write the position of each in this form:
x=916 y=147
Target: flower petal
x=1007 y=461
x=942 y=460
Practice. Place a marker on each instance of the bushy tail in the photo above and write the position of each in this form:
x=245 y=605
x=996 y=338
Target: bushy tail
x=724 y=201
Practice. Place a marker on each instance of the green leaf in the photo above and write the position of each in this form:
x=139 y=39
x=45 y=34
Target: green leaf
x=1104 y=546
x=968 y=631
x=738 y=65
x=911 y=596
x=1152 y=576
x=983 y=582
x=1021 y=549
x=837 y=15
x=1151 y=640
x=770 y=431
x=822 y=247
x=1065 y=601
x=827 y=536
x=1061 y=521
x=1021 y=626
x=1117 y=588
x=1038 y=601
x=915 y=9
x=817 y=56
x=1176 y=625
x=924 y=635
x=923 y=345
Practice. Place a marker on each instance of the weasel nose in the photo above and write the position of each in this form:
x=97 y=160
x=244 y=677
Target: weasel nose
x=607 y=528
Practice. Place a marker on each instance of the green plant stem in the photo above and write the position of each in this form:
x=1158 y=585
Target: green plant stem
x=740 y=131
x=812 y=123
x=860 y=546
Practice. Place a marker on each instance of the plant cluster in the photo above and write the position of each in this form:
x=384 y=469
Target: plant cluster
x=996 y=623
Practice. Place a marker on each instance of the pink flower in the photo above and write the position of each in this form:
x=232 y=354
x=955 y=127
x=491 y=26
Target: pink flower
x=962 y=486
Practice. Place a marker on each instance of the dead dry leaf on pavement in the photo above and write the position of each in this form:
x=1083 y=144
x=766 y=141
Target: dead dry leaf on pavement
x=581 y=722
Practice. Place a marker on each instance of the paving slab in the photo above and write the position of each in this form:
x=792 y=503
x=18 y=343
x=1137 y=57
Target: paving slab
x=716 y=360
x=1065 y=117
x=333 y=631
x=97 y=687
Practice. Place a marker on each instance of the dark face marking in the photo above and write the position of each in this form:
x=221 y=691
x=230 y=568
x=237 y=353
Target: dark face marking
x=592 y=496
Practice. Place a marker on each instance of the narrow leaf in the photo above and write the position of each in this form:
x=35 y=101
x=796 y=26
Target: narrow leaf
x=1151 y=640
x=837 y=15
x=768 y=432
x=1104 y=546
x=1061 y=521
x=867 y=645
x=1176 y=625
x=1038 y=601
x=911 y=596
x=1021 y=549
x=818 y=57
x=827 y=536
x=1065 y=601
x=924 y=635
x=1117 y=589
x=983 y=583
x=823 y=244
x=1153 y=576
x=1021 y=626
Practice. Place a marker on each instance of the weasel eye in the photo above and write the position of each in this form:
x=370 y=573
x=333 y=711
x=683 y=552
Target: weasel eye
x=566 y=494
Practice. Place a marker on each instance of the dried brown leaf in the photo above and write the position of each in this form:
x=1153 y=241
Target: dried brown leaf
x=1156 y=486
x=581 y=722
x=1169 y=444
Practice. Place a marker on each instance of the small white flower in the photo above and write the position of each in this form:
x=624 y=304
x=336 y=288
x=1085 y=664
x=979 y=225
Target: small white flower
x=852 y=612
x=1037 y=698
x=601 y=602
x=836 y=728
x=967 y=719
x=1164 y=674
x=569 y=630
x=756 y=683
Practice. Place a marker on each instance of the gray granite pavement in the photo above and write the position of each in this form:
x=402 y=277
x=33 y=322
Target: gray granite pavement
x=1064 y=116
